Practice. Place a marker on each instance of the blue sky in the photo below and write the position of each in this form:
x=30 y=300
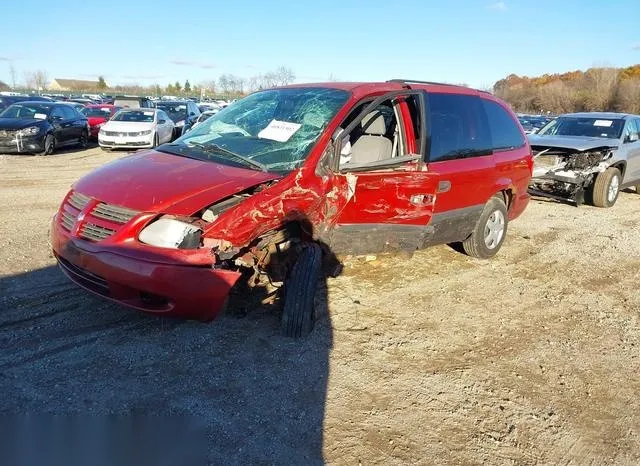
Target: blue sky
x=472 y=41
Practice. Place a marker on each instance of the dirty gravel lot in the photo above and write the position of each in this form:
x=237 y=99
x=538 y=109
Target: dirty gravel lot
x=532 y=357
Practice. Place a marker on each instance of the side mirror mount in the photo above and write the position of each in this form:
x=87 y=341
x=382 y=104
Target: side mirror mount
x=324 y=164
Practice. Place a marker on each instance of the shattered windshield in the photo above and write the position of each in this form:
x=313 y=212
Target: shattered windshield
x=274 y=129
x=584 y=126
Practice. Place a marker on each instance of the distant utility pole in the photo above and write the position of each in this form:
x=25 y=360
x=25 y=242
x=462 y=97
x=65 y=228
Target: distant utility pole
x=12 y=70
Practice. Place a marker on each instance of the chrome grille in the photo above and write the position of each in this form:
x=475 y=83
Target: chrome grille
x=66 y=220
x=79 y=201
x=94 y=232
x=113 y=213
x=125 y=133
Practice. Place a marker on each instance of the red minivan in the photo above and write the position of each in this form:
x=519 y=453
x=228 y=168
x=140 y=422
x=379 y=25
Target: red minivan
x=286 y=177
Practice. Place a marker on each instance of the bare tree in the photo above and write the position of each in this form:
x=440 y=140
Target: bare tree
x=284 y=76
x=628 y=96
x=36 y=79
x=600 y=88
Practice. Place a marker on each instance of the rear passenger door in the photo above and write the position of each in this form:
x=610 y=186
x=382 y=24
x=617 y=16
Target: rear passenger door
x=460 y=150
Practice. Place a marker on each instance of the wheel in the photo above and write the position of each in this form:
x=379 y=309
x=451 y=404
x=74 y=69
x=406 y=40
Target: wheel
x=490 y=231
x=49 y=145
x=84 y=138
x=607 y=187
x=300 y=290
x=156 y=141
x=106 y=149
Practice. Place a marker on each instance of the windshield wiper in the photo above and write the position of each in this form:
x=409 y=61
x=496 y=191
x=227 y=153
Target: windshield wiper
x=215 y=148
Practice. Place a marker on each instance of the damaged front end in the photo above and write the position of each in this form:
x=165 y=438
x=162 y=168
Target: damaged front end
x=566 y=174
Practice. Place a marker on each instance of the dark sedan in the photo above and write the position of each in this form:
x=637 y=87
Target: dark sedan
x=41 y=127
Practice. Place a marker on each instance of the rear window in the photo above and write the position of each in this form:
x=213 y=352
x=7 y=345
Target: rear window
x=505 y=133
x=458 y=127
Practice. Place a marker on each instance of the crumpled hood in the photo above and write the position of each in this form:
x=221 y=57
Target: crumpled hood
x=19 y=123
x=152 y=181
x=579 y=143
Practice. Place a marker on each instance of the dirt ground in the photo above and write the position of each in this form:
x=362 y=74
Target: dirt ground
x=530 y=358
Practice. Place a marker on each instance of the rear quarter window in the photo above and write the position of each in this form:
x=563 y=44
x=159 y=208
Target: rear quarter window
x=505 y=132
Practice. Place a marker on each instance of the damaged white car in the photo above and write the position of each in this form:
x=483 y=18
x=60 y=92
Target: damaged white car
x=590 y=157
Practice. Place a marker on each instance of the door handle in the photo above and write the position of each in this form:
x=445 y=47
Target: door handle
x=443 y=186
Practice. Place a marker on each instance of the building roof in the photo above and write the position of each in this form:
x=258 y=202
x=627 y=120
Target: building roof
x=77 y=83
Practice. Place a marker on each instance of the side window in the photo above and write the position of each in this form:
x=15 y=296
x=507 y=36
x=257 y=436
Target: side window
x=68 y=113
x=504 y=131
x=458 y=127
x=56 y=113
x=375 y=138
x=631 y=131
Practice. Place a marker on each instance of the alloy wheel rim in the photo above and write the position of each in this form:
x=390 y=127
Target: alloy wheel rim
x=494 y=229
x=613 y=189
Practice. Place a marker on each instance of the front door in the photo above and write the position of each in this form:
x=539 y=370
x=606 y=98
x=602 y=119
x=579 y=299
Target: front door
x=382 y=198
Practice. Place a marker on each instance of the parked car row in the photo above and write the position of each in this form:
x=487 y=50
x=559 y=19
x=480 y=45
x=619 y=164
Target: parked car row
x=532 y=123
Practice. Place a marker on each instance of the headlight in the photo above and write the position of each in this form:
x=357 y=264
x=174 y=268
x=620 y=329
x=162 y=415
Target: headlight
x=171 y=233
x=30 y=131
x=144 y=133
x=180 y=124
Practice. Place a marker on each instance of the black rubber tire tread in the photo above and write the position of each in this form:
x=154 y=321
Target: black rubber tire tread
x=156 y=141
x=474 y=245
x=48 y=137
x=300 y=290
x=83 y=142
x=601 y=187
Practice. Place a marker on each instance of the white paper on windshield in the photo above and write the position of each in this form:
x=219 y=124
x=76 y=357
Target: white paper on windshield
x=182 y=107
x=280 y=131
x=605 y=123
x=148 y=113
x=40 y=116
x=105 y=109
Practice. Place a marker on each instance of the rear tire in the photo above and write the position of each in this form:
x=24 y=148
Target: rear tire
x=490 y=231
x=49 y=145
x=300 y=290
x=607 y=188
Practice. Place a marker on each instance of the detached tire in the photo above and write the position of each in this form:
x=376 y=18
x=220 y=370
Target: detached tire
x=490 y=231
x=638 y=189
x=300 y=290
x=607 y=188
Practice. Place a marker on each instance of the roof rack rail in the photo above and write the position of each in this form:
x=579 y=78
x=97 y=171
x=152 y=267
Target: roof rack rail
x=415 y=81
x=433 y=83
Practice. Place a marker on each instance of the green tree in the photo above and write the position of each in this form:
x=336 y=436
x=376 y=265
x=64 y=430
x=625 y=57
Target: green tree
x=177 y=87
x=187 y=87
x=102 y=85
x=171 y=89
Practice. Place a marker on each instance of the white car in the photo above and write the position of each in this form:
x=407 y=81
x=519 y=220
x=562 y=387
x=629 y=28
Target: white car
x=135 y=129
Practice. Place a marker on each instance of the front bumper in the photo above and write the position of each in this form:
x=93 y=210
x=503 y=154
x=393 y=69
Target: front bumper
x=127 y=142
x=170 y=289
x=23 y=145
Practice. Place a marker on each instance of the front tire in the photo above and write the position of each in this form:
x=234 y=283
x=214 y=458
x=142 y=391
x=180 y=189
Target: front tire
x=607 y=187
x=156 y=141
x=490 y=231
x=49 y=145
x=300 y=290
x=84 y=140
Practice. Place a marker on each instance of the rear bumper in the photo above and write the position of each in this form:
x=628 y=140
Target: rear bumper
x=519 y=203
x=25 y=145
x=176 y=290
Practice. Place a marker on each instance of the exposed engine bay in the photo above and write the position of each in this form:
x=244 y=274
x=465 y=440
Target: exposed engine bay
x=566 y=174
